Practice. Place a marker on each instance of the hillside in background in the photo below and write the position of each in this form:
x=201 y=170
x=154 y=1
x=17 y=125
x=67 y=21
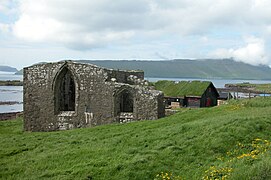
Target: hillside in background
x=185 y=68
x=20 y=72
x=226 y=142
x=8 y=69
x=209 y=68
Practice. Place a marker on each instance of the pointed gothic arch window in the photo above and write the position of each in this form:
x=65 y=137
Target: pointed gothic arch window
x=64 y=91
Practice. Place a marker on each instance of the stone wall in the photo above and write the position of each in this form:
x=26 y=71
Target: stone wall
x=122 y=76
x=95 y=94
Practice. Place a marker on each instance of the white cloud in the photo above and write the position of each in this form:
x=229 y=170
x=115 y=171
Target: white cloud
x=83 y=24
x=70 y=22
x=254 y=52
x=88 y=24
x=6 y=6
x=183 y=16
x=4 y=28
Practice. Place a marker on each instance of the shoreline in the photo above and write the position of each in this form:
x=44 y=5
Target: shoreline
x=10 y=102
x=10 y=115
x=11 y=83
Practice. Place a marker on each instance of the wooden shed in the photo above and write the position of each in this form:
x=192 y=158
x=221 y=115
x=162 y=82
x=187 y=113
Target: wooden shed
x=223 y=97
x=173 y=102
x=188 y=93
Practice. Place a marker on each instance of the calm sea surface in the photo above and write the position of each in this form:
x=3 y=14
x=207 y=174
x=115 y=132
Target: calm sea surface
x=15 y=93
x=5 y=77
x=11 y=93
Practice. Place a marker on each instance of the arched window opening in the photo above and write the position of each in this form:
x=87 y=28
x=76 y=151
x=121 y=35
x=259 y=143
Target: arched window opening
x=65 y=91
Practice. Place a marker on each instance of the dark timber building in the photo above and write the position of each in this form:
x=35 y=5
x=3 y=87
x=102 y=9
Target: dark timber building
x=188 y=93
x=66 y=95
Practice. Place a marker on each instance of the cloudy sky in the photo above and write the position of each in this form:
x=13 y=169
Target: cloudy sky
x=50 y=30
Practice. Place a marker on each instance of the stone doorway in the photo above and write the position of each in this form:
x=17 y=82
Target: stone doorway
x=124 y=106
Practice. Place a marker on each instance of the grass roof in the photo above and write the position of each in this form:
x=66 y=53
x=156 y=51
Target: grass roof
x=182 y=88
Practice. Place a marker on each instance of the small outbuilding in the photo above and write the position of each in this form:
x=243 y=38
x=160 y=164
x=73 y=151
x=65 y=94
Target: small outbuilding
x=188 y=93
x=223 y=97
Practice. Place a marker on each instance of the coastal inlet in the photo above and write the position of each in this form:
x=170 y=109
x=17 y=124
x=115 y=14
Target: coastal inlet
x=11 y=99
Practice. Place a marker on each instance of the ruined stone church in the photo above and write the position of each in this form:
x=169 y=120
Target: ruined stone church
x=66 y=95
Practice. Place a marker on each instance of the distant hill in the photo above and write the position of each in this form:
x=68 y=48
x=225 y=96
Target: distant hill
x=8 y=69
x=185 y=68
x=20 y=72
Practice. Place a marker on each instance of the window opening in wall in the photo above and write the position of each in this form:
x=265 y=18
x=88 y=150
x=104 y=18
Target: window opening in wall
x=65 y=91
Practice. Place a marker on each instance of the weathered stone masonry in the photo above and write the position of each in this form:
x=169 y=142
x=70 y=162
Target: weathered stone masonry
x=67 y=95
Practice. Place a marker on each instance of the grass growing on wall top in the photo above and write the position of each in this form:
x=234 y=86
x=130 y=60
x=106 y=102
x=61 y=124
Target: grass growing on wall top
x=182 y=88
x=186 y=144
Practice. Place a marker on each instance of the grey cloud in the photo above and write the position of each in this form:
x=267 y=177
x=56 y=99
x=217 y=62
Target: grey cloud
x=85 y=23
x=104 y=14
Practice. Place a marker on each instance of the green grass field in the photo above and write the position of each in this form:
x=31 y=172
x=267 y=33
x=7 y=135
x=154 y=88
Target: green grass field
x=227 y=142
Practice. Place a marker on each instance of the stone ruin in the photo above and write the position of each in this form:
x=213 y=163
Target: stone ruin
x=67 y=95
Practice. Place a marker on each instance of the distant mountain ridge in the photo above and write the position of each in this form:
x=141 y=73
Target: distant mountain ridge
x=8 y=69
x=186 y=68
x=20 y=72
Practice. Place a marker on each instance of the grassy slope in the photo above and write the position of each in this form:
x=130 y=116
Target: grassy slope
x=186 y=144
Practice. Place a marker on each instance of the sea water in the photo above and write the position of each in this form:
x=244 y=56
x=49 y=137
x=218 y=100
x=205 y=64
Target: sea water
x=11 y=93
x=15 y=93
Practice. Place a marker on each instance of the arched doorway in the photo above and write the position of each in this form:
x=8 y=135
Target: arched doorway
x=64 y=91
x=124 y=105
x=126 y=102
